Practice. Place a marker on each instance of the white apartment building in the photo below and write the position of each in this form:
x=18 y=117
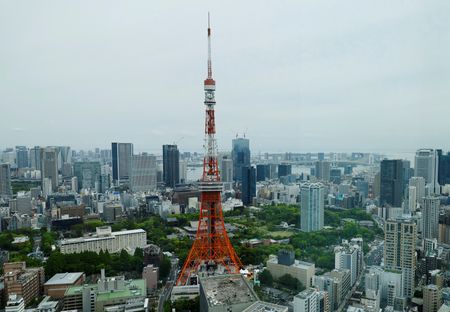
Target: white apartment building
x=105 y=239
x=306 y=301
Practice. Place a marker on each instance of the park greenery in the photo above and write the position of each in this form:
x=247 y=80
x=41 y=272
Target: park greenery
x=315 y=247
x=261 y=223
x=19 y=186
x=91 y=263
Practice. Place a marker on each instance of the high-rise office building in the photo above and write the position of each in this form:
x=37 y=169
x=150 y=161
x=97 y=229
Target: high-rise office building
x=74 y=184
x=183 y=171
x=312 y=207
x=349 y=256
x=262 y=172
x=284 y=170
x=443 y=167
x=419 y=184
x=430 y=215
x=8 y=156
x=444 y=228
x=248 y=185
x=426 y=166
x=121 y=161
x=241 y=156
x=87 y=174
x=391 y=183
x=226 y=169
x=21 y=156
x=322 y=171
x=5 y=180
x=35 y=158
x=412 y=199
x=400 y=251
x=171 y=165
x=335 y=175
x=432 y=298
x=65 y=154
x=408 y=172
x=49 y=166
x=143 y=173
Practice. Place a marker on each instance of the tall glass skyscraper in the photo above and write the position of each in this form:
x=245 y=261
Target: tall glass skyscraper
x=49 y=166
x=88 y=174
x=22 y=156
x=121 y=161
x=171 y=165
x=241 y=157
x=391 y=183
x=443 y=167
x=5 y=180
x=248 y=186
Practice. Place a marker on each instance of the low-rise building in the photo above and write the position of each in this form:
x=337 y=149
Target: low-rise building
x=49 y=304
x=56 y=286
x=226 y=293
x=15 y=303
x=261 y=306
x=301 y=270
x=106 y=240
x=109 y=294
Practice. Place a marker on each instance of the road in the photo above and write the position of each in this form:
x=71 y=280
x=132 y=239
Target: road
x=167 y=290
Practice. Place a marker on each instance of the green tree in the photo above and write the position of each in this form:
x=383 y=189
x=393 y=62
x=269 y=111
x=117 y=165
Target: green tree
x=266 y=278
x=291 y=283
x=164 y=268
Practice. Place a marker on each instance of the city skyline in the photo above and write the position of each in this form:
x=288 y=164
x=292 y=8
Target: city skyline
x=328 y=190
x=301 y=77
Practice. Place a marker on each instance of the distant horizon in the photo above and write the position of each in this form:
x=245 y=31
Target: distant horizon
x=253 y=151
x=294 y=76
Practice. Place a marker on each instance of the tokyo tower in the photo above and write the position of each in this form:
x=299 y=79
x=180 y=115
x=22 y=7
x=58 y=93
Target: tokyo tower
x=212 y=252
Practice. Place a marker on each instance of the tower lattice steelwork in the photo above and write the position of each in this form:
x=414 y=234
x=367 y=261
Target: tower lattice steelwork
x=211 y=252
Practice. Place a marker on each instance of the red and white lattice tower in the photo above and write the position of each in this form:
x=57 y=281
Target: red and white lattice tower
x=211 y=252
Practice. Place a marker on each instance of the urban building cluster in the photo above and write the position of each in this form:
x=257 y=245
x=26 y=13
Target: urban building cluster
x=57 y=190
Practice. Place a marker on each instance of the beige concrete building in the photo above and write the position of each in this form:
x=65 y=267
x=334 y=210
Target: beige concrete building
x=400 y=237
x=432 y=298
x=150 y=274
x=301 y=270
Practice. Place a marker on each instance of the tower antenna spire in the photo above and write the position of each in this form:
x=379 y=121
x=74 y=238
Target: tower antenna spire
x=209 y=49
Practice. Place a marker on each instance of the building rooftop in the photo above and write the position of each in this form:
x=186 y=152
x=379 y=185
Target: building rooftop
x=305 y=293
x=133 y=288
x=97 y=237
x=64 y=278
x=297 y=263
x=227 y=290
x=77 y=290
x=444 y=308
x=261 y=306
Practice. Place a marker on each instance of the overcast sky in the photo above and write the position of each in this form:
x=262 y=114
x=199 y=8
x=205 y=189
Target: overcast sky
x=292 y=75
